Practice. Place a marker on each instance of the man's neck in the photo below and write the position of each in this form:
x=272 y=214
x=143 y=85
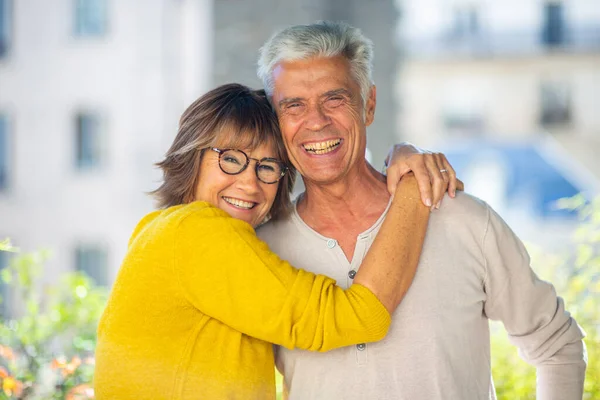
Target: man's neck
x=344 y=209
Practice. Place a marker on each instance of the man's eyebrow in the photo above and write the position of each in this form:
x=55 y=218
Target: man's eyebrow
x=289 y=100
x=335 y=92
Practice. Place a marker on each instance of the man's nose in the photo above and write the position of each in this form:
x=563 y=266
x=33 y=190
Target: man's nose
x=317 y=118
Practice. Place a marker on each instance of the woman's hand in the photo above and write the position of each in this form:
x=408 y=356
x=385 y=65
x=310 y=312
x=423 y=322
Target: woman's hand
x=434 y=173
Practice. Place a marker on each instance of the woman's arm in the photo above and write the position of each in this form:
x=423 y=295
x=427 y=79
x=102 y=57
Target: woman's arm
x=229 y=274
x=398 y=244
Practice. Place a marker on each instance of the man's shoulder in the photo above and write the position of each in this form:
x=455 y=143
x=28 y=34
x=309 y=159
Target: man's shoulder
x=465 y=212
x=463 y=205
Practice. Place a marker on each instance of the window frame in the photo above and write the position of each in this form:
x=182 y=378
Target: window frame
x=96 y=267
x=90 y=18
x=6 y=29
x=88 y=140
x=557 y=111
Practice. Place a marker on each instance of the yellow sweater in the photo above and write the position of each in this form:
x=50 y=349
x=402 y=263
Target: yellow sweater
x=197 y=303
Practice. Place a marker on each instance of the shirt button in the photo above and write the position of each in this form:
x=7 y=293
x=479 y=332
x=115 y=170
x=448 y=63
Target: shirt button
x=361 y=346
x=352 y=274
x=331 y=243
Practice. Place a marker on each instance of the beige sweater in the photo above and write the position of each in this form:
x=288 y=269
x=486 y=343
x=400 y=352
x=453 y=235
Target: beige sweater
x=473 y=268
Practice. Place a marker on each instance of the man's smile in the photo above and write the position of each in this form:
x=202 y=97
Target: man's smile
x=322 y=147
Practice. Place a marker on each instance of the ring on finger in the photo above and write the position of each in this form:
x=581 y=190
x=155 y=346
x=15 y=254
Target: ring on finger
x=443 y=170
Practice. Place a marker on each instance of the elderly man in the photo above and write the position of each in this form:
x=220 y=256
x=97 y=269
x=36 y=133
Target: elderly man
x=472 y=269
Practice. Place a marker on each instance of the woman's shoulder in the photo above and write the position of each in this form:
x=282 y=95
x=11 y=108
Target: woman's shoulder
x=172 y=218
x=194 y=212
x=204 y=217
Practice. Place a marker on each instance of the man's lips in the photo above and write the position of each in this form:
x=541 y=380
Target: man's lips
x=324 y=147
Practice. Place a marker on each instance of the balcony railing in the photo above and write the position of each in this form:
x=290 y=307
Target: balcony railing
x=482 y=43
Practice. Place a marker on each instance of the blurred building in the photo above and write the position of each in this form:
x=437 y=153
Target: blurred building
x=90 y=95
x=510 y=91
x=91 y=92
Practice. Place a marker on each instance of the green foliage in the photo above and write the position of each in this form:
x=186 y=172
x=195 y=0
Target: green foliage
x=54 y=324
x=576 y=276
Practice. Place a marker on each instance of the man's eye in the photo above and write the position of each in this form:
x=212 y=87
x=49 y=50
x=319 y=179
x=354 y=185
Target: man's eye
x=294 y=108
x=335 y=101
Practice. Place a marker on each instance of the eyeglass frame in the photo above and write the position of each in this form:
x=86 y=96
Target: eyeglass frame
x=284 y=168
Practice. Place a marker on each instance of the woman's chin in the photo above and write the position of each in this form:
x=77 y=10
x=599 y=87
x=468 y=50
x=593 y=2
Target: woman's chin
x=250 y=216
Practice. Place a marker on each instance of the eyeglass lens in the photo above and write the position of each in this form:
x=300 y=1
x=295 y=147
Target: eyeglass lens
x=234 y=162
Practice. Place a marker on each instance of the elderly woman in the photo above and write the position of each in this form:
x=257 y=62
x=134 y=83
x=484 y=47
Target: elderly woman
x=199 y=298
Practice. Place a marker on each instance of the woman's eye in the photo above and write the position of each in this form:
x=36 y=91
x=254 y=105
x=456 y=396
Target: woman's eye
x=230 y=159
x=267 y=167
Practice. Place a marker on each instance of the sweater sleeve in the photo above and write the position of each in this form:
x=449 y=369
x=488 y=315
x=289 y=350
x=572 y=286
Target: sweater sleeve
x=533 y=315
x=228 y=273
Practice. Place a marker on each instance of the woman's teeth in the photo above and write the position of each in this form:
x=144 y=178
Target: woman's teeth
x=239 y=203
x=322 y=147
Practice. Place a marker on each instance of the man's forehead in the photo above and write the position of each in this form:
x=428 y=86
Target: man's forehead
x=320 y=74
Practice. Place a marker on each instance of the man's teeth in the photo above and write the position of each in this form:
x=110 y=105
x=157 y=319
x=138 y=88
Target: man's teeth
x=239 y=203
x=322 y=147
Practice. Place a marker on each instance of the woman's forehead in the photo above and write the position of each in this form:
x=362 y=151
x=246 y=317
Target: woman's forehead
x=246 y=140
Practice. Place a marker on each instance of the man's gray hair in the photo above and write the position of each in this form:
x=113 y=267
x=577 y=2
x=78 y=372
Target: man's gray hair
x=321 y=39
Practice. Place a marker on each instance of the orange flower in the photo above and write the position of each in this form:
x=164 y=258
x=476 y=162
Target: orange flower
x=58 y=363
x=76 y=361
x=70 y=368
x=80 y=392
x=7 y=353
x=89 y=361
x=3 y=373
x=12 y=386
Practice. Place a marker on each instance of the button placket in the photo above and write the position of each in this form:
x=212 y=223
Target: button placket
x=361 y=353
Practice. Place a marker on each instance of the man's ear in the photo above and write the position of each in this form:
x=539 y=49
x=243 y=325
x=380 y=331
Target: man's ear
x=370 y=106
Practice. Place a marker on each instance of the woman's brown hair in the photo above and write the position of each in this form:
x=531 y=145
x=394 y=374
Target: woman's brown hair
x=234 y=115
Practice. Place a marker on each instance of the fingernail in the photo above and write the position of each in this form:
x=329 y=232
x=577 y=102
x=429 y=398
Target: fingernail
x=428 y=202
x=438 y=205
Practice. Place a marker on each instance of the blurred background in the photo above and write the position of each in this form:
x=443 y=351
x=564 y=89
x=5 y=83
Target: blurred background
x=91 y=92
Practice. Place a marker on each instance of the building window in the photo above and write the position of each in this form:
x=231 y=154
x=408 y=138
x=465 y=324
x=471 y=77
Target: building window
x=465 y=22
x=5 y=26
x=90 y=18
x=92 y=260
x=553 y=31
x=555 y=104
x=3 y=153
x=88 y=141
x=463 y=124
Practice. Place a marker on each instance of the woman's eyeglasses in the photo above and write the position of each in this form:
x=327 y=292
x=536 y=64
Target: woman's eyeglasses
x=233 y=162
